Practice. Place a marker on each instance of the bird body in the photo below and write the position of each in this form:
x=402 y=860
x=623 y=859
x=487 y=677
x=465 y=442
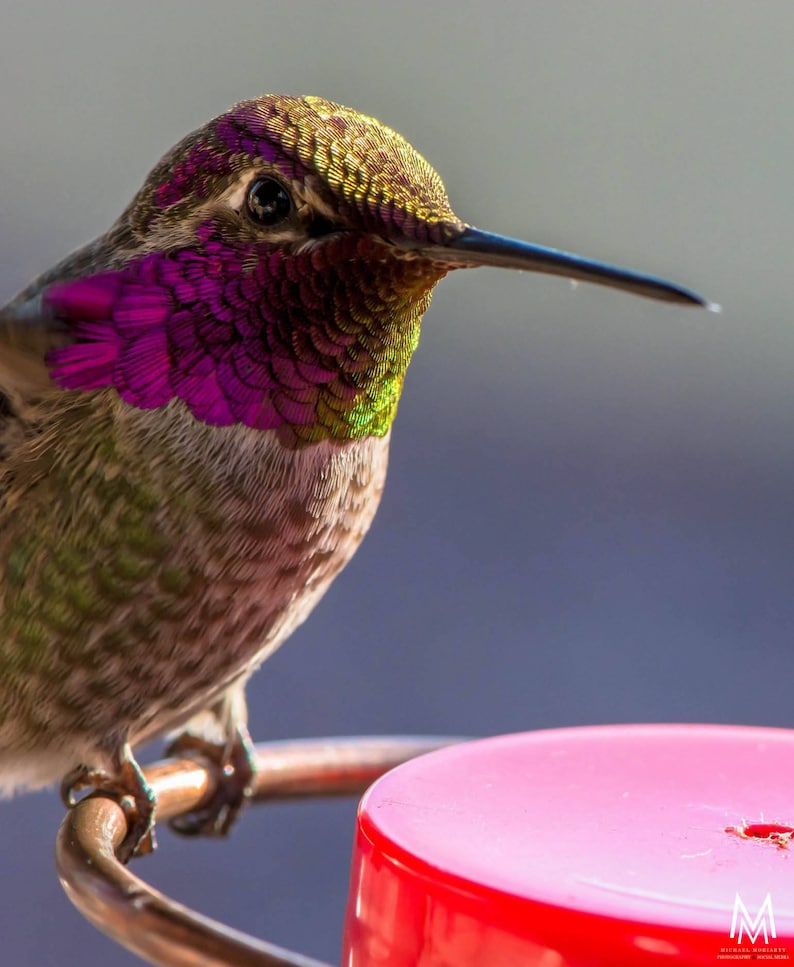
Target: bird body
x=195 y=412
x=131 y=611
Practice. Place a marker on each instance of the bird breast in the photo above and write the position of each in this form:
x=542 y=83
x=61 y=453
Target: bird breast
x=161 y=560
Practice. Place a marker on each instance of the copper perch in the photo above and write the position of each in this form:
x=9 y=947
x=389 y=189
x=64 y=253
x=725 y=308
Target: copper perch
x=165 y=932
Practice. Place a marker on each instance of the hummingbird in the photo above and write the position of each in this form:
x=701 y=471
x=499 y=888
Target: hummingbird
x=195 y=414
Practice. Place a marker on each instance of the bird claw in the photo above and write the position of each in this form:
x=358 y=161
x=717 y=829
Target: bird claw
x=130 y=790
x=234 y=762
x=82 y=777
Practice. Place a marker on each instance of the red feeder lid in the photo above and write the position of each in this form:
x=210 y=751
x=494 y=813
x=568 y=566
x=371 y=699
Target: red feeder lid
x=614 y=845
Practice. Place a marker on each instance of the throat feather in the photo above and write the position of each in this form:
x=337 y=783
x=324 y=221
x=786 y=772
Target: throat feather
x=317 y=340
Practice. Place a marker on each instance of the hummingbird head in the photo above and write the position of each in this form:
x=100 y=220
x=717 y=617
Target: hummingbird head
x=288 y=171
x=273 y=271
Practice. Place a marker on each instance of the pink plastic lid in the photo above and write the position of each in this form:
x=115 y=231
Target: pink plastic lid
x=615 y=845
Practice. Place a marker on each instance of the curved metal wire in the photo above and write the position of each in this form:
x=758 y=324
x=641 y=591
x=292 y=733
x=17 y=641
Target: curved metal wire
x=163 y=931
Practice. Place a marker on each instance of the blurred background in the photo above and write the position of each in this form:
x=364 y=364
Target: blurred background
x=590 y=510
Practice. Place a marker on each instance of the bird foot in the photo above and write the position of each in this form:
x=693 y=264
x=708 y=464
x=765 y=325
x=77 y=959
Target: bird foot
x=133 y=794
x=234 y=762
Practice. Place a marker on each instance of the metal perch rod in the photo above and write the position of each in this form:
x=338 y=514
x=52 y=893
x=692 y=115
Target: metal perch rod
x=165 y=932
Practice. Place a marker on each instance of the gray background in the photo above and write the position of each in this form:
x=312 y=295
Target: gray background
x=589 y=514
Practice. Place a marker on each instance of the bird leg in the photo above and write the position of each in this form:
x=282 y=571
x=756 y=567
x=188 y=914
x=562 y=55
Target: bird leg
x=127 y=785
x=234 y=761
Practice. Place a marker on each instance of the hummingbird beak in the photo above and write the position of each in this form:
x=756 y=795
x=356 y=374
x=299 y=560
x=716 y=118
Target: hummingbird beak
x=475 y=247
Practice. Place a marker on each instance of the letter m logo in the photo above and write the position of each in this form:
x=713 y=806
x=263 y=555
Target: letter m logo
x=764 y=921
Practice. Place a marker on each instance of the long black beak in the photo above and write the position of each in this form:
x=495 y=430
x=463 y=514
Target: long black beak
x=475 y=247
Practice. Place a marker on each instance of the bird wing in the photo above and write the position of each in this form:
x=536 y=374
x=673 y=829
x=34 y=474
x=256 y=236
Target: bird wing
x=30 y=329
x=28 y=332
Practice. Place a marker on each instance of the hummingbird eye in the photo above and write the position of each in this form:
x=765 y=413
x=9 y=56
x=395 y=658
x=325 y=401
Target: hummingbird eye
x=268 y=203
